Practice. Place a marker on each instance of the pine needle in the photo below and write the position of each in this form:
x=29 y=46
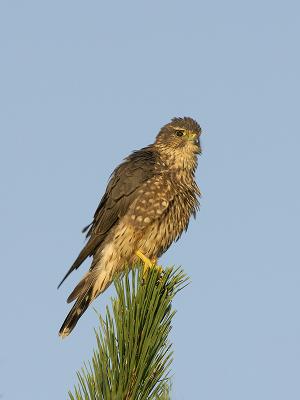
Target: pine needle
x=133 y=355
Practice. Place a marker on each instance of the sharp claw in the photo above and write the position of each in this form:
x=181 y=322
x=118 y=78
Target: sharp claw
x=148 y=264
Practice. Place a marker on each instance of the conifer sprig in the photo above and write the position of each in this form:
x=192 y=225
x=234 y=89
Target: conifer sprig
x=133 y=355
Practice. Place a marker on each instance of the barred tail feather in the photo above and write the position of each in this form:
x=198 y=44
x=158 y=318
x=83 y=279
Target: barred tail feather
x=84 y=293
x=76 y=312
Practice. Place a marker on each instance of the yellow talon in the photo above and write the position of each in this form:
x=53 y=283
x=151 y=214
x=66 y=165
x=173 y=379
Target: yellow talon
x=148 y=264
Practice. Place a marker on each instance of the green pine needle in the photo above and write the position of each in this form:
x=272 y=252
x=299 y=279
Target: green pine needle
x=133 y=355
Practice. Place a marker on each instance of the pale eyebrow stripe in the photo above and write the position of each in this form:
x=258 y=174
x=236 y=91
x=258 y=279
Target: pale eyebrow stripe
x=179 y=128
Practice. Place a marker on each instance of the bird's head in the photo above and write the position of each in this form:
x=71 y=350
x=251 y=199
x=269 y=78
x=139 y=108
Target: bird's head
x=181 y=134
x=178 y=143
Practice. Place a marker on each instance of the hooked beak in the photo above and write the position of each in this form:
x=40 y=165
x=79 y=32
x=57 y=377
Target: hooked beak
x=193 y=137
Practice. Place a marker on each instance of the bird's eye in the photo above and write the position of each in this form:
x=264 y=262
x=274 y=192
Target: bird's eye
x=179 y=133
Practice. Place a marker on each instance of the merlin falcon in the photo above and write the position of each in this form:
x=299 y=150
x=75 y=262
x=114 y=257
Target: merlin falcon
x=147 y=205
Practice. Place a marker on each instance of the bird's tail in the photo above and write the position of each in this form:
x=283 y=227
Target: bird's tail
x=84 y=293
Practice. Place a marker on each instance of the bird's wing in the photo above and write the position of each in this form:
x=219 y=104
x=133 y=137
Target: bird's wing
x=120 y=193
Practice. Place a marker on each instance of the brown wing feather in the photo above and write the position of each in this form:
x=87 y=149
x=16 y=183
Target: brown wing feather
x=120 y=193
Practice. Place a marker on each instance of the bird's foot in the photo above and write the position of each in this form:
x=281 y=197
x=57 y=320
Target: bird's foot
x=149 y=264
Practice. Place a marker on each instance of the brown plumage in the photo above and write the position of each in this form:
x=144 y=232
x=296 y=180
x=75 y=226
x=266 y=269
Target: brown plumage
x=147 y=205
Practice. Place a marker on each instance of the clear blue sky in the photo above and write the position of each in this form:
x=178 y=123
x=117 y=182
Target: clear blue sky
x=84 y=83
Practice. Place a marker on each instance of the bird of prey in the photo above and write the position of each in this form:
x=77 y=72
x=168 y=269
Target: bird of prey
x=147 y=205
